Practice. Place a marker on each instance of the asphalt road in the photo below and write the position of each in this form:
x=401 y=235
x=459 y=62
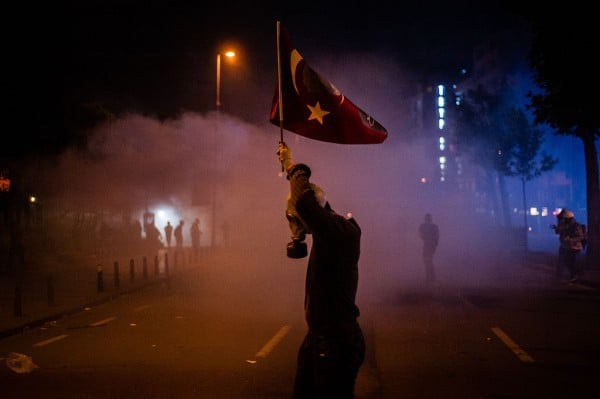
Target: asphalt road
x=216 y=335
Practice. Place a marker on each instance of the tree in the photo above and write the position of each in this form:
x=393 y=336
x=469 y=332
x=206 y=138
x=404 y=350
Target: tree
x=524 y=159
x=565 y=69
x=480 y=118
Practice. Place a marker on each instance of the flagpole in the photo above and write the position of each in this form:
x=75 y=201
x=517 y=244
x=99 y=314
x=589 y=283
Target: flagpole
x=279 y=84
x=279 y=91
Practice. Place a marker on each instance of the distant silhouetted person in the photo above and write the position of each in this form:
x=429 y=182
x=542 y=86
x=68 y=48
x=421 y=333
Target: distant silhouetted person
x=571 y=236
x=195 y=233
x=429 y=234
x=178 y=233
x=136 y=233
x=153 y=236
x=168 y=233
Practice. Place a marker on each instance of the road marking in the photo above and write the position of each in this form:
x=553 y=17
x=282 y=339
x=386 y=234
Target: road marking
x=512 y=345
x=102 y=322
x=49 y=341
x=271 y=344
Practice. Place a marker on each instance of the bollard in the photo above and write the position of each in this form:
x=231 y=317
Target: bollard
x=167 y=263
x=144 y=268
x=18 y=304
x=100 y=279
x=131 y=270
x=156 y=265
x=117 y=282
x=50 y=285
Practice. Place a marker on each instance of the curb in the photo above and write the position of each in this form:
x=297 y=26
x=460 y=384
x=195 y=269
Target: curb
x=77 y=309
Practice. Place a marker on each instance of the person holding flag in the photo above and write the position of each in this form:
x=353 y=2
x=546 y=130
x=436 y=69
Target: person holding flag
x=333 y=348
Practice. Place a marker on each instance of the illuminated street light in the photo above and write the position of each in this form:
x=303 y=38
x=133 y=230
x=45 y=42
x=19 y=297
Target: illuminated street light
x=228 y=54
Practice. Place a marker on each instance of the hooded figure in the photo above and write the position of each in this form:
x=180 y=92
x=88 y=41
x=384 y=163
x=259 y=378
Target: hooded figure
x=333 y=348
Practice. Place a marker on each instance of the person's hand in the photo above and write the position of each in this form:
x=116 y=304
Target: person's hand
x=284 y=154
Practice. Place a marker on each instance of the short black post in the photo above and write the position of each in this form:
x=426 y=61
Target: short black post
x=156 y=265
x=117 y=282
x=50 y=286
x=167 y=263
x=131 y=270
x=100 y=279
x=145 y=268
x=18 y=304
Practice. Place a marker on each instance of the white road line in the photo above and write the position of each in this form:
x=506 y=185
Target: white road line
x=102 y=322
x=272 y=343
x=49 y=341
x=512 y=345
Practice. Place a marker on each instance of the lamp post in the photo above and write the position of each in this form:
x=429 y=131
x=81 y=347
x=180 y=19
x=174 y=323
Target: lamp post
x=229 y=54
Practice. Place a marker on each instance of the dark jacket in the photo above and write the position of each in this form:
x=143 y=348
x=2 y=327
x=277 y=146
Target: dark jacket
x=430 y=234
x=570 y=234
x=332 y=273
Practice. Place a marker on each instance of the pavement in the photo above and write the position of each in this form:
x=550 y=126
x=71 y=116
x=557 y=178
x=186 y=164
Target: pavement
x=44 y=296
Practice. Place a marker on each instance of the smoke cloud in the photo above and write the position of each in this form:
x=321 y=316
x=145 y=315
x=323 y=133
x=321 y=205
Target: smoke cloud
x=137 y=163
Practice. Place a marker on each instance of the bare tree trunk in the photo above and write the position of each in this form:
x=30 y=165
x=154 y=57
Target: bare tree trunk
x=504 y=199
x=593 y=200
x=525 y=213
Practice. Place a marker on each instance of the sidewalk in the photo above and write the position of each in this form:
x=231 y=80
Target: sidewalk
x=48 y=295
x=545 y=262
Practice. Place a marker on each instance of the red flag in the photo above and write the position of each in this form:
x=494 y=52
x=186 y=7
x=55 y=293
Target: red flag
x=314 y=108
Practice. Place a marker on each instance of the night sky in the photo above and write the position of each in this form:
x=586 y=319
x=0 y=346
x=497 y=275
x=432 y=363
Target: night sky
x=76 y=61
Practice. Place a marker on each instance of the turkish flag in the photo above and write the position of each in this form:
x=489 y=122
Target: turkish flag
x=315 y=108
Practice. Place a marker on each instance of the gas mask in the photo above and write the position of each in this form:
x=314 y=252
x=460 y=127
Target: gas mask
x=297 y=249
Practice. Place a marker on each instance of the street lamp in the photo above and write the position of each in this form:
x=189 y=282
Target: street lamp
x=229 y=54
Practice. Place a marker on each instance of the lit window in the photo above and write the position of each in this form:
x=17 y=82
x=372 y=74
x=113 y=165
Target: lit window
x=441 y=90
x=441 y=124
x=441 y=102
